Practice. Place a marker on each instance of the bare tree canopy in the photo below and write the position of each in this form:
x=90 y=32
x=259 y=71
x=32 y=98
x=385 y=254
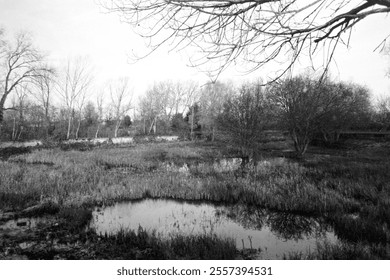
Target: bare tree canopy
x=121 y=100
x=257 y=31
x=20 y=64
x=73 y=86
x=244 y=118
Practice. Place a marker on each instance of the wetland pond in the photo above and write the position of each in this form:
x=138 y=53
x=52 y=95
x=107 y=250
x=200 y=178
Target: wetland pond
x=275 y=233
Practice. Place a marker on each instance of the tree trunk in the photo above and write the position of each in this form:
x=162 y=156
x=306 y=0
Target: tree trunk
x=20 y=132
x=117 y=125
x=192 y=123
x=301 y=147
x=47 y=128
x=300 y=143
x=69 y=126
x=48 y=123
x=13 y=136
x=153 y=126
x=97 y=130
x=78 y=128
x=1 y=121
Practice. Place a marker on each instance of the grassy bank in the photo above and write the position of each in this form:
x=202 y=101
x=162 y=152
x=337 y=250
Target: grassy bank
x=351 y=189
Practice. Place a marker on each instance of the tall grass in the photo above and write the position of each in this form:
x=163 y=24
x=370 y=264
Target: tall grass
x=353 y=193
x=164 y=170
x=145 y=245
x=344 y=251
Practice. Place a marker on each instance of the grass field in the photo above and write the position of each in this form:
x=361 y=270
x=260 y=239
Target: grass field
x=350 y=188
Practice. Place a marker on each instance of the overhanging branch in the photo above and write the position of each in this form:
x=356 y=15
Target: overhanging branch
x=254 y=31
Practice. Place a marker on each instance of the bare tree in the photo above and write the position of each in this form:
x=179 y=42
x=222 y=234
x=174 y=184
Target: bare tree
x=121 y=97
x=349 y=107
x=212 y=99
x=244 y=118
x=258 y=31
x=383 y=112
x=43 y=94
x=80 y=103
x=181 y=96
x=192 y=99
x=303 y=102
x=312 y=106
x=383 y=102
x=176 y=96
x=153 y=106
x=20 y=63
x=73 y=86
x=19 y=104
x=100 y=108
x=168 y=93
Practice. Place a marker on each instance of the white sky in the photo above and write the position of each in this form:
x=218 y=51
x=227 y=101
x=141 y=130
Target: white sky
x=69 y=28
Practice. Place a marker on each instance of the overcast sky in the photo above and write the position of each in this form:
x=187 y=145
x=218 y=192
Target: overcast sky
x=66 y=28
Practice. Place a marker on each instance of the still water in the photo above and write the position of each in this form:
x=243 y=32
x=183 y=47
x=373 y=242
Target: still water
x=275 y=233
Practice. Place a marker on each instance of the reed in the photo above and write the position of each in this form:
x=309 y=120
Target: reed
x=140 y=244
x=351 y=192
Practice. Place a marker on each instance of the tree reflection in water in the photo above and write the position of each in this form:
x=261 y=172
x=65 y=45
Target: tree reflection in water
x=284 y=225
x=275 y=233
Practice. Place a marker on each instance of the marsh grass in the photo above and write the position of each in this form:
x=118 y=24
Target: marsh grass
x=350 y=189
x=75 y=219
x=140 y=244
x=109 y=174
x=343 y=251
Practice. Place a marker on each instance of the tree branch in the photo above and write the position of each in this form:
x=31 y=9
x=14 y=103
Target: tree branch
x=254 y=31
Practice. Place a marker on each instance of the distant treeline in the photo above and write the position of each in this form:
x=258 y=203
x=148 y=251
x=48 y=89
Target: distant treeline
x=43 y=102
x=305 y=107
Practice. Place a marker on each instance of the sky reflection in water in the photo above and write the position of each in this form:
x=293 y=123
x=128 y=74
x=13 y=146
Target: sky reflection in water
x=275 y=233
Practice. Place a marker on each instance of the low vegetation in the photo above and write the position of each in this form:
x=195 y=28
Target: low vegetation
x=350 y=189
x=144 y=245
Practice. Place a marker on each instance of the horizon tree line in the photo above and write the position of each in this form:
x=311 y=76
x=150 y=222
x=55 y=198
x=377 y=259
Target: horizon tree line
x=48 y=103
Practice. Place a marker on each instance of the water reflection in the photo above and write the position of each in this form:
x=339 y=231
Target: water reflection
x=290 y=226
x=275 y=233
